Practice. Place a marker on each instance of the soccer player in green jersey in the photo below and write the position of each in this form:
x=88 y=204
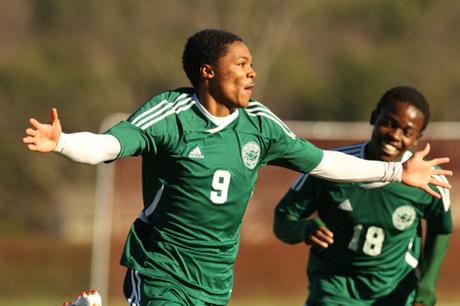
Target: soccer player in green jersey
x=366 y=237
x=201 y=150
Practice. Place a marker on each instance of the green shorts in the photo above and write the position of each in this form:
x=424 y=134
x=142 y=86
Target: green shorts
x=339 y=289
x=143 y=290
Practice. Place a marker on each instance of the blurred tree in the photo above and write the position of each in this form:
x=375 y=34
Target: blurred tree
x=316 y=60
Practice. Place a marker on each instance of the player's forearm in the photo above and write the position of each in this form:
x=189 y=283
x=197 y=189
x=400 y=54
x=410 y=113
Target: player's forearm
x=288 y=230
x=434 y=252
x=341 y=167
x=88 y=148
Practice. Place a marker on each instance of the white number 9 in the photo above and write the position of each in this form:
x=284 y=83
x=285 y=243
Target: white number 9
x=220 y=184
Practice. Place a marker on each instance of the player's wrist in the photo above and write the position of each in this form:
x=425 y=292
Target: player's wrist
x=311 y=227
x=394 y=172
x=426 y=295
x=61 y=143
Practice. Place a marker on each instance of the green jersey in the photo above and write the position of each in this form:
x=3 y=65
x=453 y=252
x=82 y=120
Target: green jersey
x=198 y=176
x=376 y=226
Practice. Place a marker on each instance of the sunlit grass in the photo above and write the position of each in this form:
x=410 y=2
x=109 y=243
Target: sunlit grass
x=254 y=301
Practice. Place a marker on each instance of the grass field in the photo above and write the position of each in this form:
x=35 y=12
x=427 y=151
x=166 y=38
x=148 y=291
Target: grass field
x=265 y=301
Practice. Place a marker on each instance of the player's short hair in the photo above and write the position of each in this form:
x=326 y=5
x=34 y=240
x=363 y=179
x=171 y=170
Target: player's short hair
x=409 y=95
x=205 y=47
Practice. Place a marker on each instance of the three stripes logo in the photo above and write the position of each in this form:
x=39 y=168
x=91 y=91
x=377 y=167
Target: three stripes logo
x=196 y=153
x=346 y=205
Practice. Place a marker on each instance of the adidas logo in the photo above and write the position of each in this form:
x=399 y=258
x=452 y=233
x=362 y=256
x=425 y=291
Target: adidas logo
x=196 y=153
x=345 y=205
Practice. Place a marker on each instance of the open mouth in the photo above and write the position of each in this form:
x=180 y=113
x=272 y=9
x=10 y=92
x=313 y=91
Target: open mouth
x=249 y=88
x=390 y=149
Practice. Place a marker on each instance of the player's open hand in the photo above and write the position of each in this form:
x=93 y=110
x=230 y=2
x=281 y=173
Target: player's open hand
x=321 y=237
x=418 y=172
x=43 y=137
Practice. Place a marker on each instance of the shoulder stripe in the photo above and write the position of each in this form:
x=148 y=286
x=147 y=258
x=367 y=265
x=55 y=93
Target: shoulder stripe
x=287 y=132
x=355 y=149
x=261 y=110
x=153 y=121
x=181 y=96
x=253 y=106
x=159 y=105
x=179 y=106
x=299 y=182
x=185 y=107
x=175 y=110
x=155 y=114
x=147 y=112
x=445 y=193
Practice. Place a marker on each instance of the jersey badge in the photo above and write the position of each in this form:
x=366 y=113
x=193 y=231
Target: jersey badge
x=250 y=154
x=403 y=217
x=196 y=153
x=346 y=205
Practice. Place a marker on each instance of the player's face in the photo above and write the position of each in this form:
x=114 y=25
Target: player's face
x=397 y=128
x=234 y=77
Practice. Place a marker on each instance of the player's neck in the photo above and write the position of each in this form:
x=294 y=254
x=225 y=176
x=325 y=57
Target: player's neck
x=213 y=107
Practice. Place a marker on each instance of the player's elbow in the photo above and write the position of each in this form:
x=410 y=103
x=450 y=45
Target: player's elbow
x=283 y=233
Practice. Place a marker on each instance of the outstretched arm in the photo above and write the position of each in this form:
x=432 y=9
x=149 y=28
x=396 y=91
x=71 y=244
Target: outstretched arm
x=83 y=147
x=417 y=172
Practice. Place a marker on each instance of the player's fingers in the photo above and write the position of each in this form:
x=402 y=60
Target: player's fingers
x=431 y=191
x=28 y=139
x=439 y=161
x=318 y=242
x=32 y=147
x=34 y=123
x=441 y=172
x=326 y=231
x=31 y=132
x=439 y=183
x=324 y=234
x=325 y=238
x=54 y=115
x=426 y=150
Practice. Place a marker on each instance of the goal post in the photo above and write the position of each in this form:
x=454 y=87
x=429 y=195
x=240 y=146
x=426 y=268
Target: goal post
x=102 y=220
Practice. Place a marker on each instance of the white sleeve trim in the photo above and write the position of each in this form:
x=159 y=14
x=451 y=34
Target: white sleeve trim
x=445 y=193
x=88 y=148
x=341 y=167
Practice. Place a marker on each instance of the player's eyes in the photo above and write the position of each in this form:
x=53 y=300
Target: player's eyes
x=408 y=133
x=387 y=123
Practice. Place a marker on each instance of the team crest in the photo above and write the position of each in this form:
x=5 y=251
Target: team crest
x=403 y=217
x=250 y=154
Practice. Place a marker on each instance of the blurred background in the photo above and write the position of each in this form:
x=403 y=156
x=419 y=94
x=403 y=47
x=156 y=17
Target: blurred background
x=315 y=61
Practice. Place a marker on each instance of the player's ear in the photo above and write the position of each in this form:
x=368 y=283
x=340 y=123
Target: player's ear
x=207 y=71
x=374 y=115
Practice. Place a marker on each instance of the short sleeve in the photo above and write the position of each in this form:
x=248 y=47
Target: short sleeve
x=295 y=153
x=438 y=214
x=133 y=141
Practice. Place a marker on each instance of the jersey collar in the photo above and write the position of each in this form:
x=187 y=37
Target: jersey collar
x=219 y=122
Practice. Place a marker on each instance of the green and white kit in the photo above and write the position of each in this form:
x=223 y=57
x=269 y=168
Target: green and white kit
x=198 y=176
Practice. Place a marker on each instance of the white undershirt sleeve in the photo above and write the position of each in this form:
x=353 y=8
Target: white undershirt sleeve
x=341 y=167
x=88 y=148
